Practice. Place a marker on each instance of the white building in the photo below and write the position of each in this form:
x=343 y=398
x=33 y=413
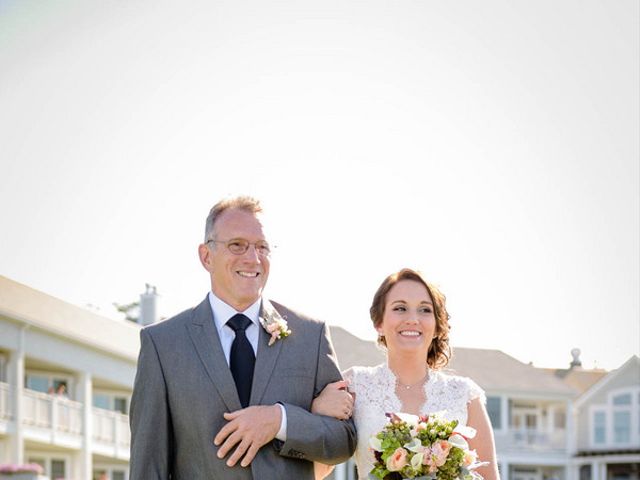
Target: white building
x=571 y=424
x=607 y=426
x=46 y=343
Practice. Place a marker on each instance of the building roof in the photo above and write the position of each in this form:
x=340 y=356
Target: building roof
x=633 y=364
x=493 y=370
x=578 y=378
x=39 y=310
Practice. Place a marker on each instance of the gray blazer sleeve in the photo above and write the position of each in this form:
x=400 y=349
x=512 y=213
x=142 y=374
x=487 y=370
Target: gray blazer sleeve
x=151 y=431
x=317 y=437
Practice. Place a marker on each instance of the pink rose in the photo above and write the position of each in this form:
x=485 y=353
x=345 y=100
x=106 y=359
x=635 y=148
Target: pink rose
x=397 y=460
x=440 y=452
x=429 y=461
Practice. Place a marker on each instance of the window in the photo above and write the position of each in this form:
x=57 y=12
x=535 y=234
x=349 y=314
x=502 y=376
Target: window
x=57 y=469
x=3 y=368
x=624 y=417
x=120 y=405
x=111 y=401
x=46 y=383
x=54 y=468
x=101 y=400
x=494 y=411
x=39 y=384
x=622 y=426
x=559 y=419
x=621 y=476
x=600 y=428
x=624 y=399
x=117 y=475
x=585 y=472
x=616 y=423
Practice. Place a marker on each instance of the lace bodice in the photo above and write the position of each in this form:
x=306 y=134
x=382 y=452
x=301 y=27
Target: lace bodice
x=375 y=389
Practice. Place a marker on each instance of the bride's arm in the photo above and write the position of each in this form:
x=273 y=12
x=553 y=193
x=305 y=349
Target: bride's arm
x=483 y=442
x=320 y=470
x=332 y=402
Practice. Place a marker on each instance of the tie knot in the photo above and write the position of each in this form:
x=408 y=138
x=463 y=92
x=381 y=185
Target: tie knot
x=238 y=322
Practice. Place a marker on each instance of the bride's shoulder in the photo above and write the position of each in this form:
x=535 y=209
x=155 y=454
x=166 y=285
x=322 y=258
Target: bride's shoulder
x=457 y=382
x=363 y=374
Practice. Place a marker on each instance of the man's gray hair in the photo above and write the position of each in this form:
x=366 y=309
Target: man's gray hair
x=246 y=203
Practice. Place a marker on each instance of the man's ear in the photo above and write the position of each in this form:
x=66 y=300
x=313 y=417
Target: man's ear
x=205 y=256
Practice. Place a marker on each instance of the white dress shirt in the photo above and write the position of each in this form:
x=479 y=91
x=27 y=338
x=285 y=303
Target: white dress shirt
x=222 y=312
x=221 y=315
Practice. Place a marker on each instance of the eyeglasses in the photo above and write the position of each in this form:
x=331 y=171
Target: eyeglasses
x=239 y=246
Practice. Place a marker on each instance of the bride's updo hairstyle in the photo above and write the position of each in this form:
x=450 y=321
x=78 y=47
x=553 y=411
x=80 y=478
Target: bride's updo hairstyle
x=439 y=350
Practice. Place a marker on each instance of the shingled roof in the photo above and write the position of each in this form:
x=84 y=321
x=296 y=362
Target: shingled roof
x=494 y=370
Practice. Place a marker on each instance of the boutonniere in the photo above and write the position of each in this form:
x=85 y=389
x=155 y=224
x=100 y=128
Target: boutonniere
x=277 y=327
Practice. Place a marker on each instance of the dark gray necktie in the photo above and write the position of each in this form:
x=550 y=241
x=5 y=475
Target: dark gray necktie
x=242 y=359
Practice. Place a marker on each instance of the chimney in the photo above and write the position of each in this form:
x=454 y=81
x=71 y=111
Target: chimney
x=576 y=362
x=148 y=305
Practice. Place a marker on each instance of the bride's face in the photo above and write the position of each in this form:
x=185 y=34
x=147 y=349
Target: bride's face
x=408 y=323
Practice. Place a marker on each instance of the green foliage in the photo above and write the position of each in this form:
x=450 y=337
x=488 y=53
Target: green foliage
x=127 y=309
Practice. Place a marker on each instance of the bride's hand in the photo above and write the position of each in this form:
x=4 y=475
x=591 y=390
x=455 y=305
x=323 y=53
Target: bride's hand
x=334 y=401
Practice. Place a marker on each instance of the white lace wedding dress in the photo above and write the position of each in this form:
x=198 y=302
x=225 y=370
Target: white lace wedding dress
x=375 y=389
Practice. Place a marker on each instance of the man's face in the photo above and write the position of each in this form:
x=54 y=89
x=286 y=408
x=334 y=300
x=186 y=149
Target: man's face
x=238 y=280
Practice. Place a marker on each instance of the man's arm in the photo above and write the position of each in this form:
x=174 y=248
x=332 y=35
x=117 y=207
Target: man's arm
x=317 y=437
x=151 y=432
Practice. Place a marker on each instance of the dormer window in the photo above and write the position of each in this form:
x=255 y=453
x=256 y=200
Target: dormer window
x=612 y=424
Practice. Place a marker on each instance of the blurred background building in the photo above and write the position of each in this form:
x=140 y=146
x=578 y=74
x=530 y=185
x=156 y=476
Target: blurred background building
x=66 y=376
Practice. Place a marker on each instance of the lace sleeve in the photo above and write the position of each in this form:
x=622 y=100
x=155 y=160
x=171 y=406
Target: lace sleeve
x=475 y=391
x=349 y=376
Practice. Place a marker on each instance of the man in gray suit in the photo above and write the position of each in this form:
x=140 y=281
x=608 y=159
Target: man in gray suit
x=224 y=390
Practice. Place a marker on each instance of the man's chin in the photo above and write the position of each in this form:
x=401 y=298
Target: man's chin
x=249 y=298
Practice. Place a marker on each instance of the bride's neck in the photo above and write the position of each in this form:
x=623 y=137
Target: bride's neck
x=408 y=369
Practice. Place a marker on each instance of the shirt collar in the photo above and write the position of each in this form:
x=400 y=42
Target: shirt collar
x=223 y=311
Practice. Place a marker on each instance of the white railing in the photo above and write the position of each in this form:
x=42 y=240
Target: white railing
x=111 y=427
x=532 y=440
x=52 y=412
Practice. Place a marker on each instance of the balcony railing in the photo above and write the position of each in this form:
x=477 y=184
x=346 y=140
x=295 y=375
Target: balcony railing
x=111 y=435
x=55 y=419
x=52 y=412
x=531 y=440
x=111 y=427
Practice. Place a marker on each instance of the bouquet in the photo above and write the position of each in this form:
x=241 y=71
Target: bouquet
x=424 y=448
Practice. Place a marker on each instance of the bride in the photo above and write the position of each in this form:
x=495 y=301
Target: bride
x=413 y=325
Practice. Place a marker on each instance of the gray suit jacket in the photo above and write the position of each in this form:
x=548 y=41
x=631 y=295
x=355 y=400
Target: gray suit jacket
x=183 y=386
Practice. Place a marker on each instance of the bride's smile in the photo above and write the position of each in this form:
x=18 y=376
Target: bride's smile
x=408 y=320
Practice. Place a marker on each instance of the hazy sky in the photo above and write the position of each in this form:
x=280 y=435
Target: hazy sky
x=493 y=145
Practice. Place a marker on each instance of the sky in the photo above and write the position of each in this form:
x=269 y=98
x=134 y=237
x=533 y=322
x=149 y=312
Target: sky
x=492 y=145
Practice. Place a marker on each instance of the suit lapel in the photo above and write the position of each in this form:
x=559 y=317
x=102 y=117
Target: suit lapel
x=205 y=338
x=267 y=355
